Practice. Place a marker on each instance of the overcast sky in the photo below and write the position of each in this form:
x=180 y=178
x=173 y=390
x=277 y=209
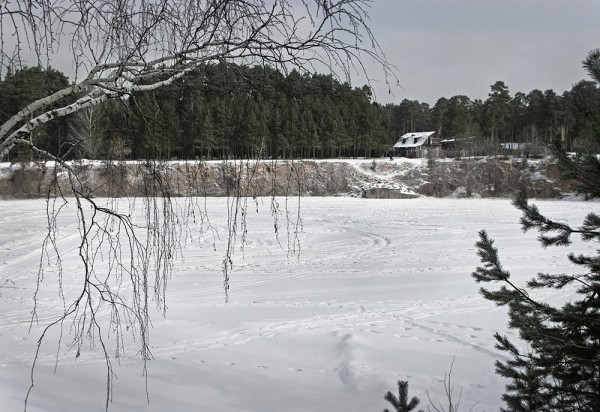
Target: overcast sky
x=443 y=48
x=447 y=47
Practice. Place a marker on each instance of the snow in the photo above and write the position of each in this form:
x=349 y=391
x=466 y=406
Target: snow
x=380 y=291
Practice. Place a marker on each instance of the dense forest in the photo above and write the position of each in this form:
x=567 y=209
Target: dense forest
x=229 y=111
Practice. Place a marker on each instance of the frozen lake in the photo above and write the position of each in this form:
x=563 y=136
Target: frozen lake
x=380 y=291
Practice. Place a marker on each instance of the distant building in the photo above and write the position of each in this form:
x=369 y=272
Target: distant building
x=515 y=149
x=415 y=144
x=513 y=146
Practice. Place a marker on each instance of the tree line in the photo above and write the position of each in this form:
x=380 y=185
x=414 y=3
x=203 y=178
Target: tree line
x=535 y=118
x=215 y=112
x=221 y=111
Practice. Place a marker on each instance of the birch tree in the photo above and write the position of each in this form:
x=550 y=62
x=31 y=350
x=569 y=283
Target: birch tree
x=121 y=47
x=126 y=46
x=87 y=131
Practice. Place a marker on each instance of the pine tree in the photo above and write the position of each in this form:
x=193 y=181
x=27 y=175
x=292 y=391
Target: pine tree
x=25 y=86
x=560 y=369
x=585 y=168
x=401 y=403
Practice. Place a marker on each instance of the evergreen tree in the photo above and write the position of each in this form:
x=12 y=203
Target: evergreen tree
x=190 y=112
x=154 y=124
x=25 y=86
x=518 y=107
x=497 y=112
x=585 y=99
x=552 y=111
x=401 y=403
x=584 y=168
x=559 y=369
x=205 y=141
x=460 y=121
x=439 y=116
x=116 y=118
x=534 y=115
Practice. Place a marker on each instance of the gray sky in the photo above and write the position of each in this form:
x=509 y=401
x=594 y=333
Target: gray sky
x=443 y=48
x=447 y=47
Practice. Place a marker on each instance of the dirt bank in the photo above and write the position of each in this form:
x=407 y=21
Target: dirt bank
x=379 y=178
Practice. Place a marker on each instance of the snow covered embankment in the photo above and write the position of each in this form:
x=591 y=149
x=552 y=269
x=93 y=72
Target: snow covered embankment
x=378 y=178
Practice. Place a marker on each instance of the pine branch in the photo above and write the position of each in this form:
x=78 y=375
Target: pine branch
x=492 y=271
x=592 y=64
x=401 y=403
x=561 y=369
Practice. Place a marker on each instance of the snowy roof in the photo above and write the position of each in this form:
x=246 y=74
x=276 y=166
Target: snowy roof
x=413 y=139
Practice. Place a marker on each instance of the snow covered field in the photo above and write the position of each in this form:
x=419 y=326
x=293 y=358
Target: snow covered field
x=381 y=291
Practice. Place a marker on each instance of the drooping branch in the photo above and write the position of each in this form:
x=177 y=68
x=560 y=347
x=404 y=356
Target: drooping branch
x=90 y=100
x=130 y=46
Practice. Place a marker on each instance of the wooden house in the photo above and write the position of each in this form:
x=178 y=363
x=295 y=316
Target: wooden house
x=415 y=144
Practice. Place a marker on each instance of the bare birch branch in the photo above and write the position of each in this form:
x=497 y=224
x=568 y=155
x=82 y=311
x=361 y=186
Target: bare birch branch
x=128 y=46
